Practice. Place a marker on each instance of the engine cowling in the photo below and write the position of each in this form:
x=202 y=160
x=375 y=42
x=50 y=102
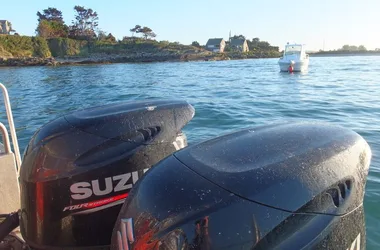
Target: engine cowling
x=78 y=169
x=284 y=186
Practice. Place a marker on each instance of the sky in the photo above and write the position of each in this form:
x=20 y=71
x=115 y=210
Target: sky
x=319 y=24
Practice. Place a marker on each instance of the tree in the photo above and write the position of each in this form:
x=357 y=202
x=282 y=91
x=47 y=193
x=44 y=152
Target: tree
x=263 y=44
x=151 y=35
x=111 y=38
x=256 y=44
x=353 y=48
x=51 y=24
x=146 y=31
x=101 y=35
x=50 y=14
x=345 y=47
x=135 y=29
x=195 y=44
x=255 y=41
x=51 y=29
x=85 y=24
x=238 y=37
x=362 y=48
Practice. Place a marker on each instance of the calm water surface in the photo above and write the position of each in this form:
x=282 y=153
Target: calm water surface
x=226 y=95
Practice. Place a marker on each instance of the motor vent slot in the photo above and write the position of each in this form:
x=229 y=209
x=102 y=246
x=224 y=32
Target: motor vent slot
x=348 y=184
x=154 y=131
x=334 y=193
x=340 y=192
x=149 y=133
x=342 y=189
x=145 y=133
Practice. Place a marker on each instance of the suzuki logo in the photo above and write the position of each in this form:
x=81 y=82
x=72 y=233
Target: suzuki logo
x=126 y=236
x=84 y=190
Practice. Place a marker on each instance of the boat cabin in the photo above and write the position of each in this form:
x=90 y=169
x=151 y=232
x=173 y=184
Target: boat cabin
x=296 y=51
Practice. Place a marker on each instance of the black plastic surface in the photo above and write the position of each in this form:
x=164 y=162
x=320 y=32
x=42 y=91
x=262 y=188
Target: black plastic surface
x=95 y=155
x=94 y=137
x=172 y=205
x=163 y=118
x=287 y=166
x=178 y=206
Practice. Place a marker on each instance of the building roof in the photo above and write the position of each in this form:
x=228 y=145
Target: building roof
x=214 y=41
x=237 y=42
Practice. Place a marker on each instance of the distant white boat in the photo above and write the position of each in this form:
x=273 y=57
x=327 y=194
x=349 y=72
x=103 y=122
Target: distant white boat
x=294 y=58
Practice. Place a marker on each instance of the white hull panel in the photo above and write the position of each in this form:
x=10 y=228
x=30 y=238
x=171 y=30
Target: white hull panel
x=299 y=66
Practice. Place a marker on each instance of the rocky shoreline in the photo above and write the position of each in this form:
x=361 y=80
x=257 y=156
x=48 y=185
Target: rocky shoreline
x=138 y=57
x=27 y=61
x=107 y=59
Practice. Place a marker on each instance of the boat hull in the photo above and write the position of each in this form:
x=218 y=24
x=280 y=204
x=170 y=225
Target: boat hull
x=298 y=66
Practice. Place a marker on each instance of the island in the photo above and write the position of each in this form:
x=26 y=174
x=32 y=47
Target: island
x=347 y=50
x=83 y=42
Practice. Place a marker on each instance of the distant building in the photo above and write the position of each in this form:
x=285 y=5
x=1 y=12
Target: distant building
x=5 y=27
x=239 y=44
x=216 y=44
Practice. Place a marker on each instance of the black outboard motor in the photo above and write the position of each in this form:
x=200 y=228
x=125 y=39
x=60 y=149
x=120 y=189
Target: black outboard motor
x=78 y=169
x=285 y=186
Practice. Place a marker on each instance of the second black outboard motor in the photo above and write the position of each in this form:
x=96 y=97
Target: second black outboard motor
x=284 y=186
x=78 y=169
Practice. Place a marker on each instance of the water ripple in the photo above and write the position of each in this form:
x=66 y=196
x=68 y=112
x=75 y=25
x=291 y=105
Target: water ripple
x=227 y=95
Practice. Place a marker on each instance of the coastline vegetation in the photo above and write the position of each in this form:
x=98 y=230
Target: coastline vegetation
x=347 y=50
x=84 y=39
x=23 y=46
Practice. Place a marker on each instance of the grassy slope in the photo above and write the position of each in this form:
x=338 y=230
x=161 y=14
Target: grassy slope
x=61 y=47
x=23 y=46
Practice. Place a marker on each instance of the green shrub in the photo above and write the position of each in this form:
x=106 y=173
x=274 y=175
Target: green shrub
x=24 y=46
x=50 y=29
x=61 y=47
x=41 y=48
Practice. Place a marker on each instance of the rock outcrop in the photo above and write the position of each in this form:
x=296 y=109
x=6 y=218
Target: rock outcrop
x=137 y=57
x=27 y=61
x=140 y=57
